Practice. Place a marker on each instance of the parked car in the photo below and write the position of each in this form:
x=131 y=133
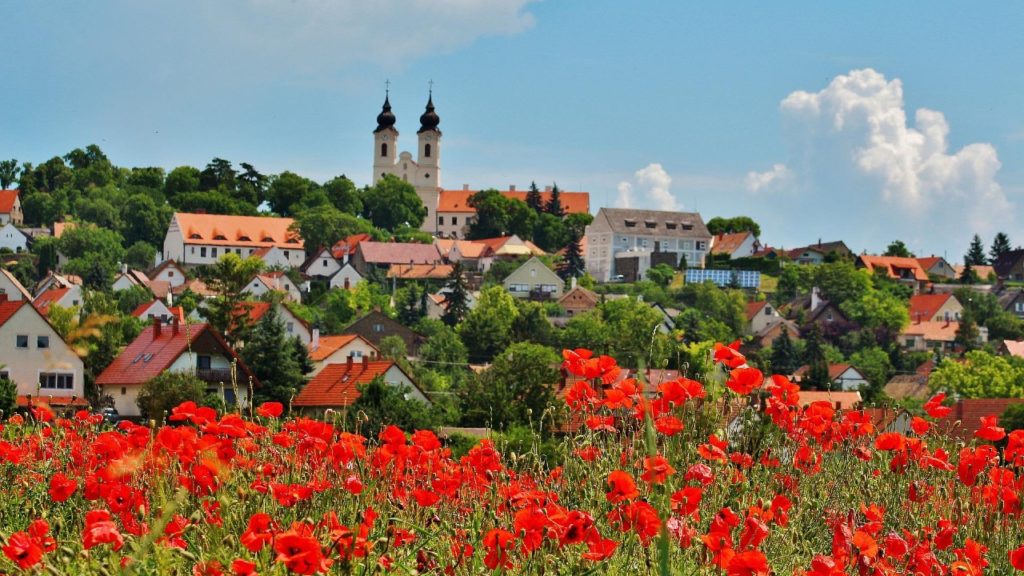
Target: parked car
x=110 y=415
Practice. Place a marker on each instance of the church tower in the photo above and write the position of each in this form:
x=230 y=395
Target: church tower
x=385 y=142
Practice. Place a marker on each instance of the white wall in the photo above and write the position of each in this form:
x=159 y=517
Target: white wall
x=12 y=238
x=357 y=348
x=23 y=365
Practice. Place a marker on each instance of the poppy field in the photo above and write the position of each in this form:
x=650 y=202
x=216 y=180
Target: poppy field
x=673 y=481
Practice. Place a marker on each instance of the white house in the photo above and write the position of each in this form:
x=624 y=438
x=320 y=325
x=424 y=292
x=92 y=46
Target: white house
x=194 y=348
x=13 y=289
x=338 y=349
x=760 y=315
x=534 y=279
x=738 y=245
x=36 y=358
x=12 y=238
x=128 y=278
x=63 y=297
x=624 y=243
x=158 y=309
x=336 y=386
x=293 y=325
x=323 y=264
x=346 y=278
x=273 y=282
x=170 y=272
x=198 y=239
x=10 y=207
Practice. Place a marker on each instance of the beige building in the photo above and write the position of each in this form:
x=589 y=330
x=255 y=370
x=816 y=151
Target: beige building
x=622 y=244
x=423 y=172
x=36 y=358
x=534 y=280
x=10 y=207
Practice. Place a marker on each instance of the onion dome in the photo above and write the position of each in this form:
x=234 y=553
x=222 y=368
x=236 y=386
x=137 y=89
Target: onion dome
x=386 y=119
x=429 y=120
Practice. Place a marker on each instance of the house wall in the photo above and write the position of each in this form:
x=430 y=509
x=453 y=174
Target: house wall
x=453 y=224
x=23 y=365
x=293 y=326
x=850 y=380
x=395 y=376
x=603 y=247
x=172 y=275
x=7 y=287
x=12 y=238
x=357 y=348
x=347 y=273
x=324 y=266
x=123 y=282
x=763 y=318
x=534 y=275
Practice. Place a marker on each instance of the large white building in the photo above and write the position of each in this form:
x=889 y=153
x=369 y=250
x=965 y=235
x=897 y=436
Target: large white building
x=626 y=243
x=197 y=239
x=424 y=173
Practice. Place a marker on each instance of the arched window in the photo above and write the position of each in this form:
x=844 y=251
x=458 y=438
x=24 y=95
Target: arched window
x=426 y=150
x=384 y=149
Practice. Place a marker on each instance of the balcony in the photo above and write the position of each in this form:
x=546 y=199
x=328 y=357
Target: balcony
x=214 y=375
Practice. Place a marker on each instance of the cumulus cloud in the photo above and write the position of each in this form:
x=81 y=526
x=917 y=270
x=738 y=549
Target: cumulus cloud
x=655 y=184
x=851 y=143
x=777 y=177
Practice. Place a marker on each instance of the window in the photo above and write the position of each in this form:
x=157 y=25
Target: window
x=22 y=340
x=290 y=327
x=384 y=150
x=548 y=288
x=533 y=272
x=378 y=327
x=124 y=391
x=203 y=362
x=768 y=310
x=426 y=151
x=56 y=381
x=455 y=220
x=202 y=252
x=170 y=273
x=356 y=354
x=670 y=225
x=1018 y=306
x=5 y=375
x=213 y=252
x=828 y=316
x=42 y=341
x=630 y=223
x=702 y=245
x=440 y=220
x=650 y=224
x=518 y=287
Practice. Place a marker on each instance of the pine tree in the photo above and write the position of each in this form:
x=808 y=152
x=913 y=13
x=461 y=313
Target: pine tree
x=1000 y=246
x=572 y=265
x=976 y=253
x=554 y=205
x=968 y=276
x=457 y=297
x=967 y=333
x=8 y=397
x=272 y=359
x=533 y=199
x=814 y=356
x=784 y=357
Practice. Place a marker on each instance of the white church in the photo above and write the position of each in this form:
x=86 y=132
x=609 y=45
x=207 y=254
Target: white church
x=424 y=173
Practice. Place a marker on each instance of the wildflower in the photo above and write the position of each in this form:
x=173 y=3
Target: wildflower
x=657 y=469
x=23 y=550
x=621 y=487
x=743 y=381
x=497 y=543
x=299 y=551
x=100 y=529
x=270 y=409
x=62 y=487
x=934 y=406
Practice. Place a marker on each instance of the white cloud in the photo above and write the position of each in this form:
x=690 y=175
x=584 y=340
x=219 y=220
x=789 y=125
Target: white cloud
x=778 y=177
x=851 y=145
x=655 y=182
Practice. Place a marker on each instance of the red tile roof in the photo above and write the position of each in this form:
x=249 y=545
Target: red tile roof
x=420 y=271
x=753 y=308
x=841 y=400
x=48 y=298
x=893 y=264
x=458 y=200
x=926 y=306
x=934 y=331
x=7 y=199
x=467 y=248
x=221 y=229
x=929 y=261
x=834 y=370
x=728 y=243
x=965 y=419
x=1014 y=347
x=150 y=354
x=331 y=344
x=347 y=247
x=58 y=401
x=982 y=271
x=398 y=253
x=8 y=308
x=337 y=384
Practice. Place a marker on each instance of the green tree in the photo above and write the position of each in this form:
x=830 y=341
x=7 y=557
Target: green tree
x=969 y=274
x=979 y=375
x=719 y=225
x=344 y=195
x=181 y=180
x=899 y=249
x=441 y=345
x=487 y=329
x=636 y=327
x=392 y=203
x=531 y=324
x=213 y=202
x=98 y=211
x=218 y=175
x=456 y=296
x=661 y=274
x=150 y=177
x=8 y=397
x=554 y=203
x=876 y=365
x=144 y=220
x=501 y=216
x=41 y=209
x=1012 y=418
x=92 y=252
x=384 y=404
x=976 y=253
x=140 y=255
x=587 y=330
x=784 y=357
x=1000 y=246
x=967 y=333
x=549 y=232
x=518 y=386
x=841 y=281
x=251 y=185
x=271 y=357
x=286 y=190
x=726 y=306
x=160 y=394
x=393 y=348
x=817 y=376
x=9 y=171
x=877 y=309
x=325 y=226
x=533 y=199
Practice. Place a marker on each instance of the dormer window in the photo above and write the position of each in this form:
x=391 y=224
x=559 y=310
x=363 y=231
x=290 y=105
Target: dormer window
x=687 y=226
x=220 y=237
x=267 y=239
x=195 y=236
x=670 y=225
x=244 y=238
x=650 y=224
x=630 y=223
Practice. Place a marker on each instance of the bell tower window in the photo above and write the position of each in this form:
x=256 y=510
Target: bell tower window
x=426 y=150
x=384 y=149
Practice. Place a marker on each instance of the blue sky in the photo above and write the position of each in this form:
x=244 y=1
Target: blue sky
x=804 y=115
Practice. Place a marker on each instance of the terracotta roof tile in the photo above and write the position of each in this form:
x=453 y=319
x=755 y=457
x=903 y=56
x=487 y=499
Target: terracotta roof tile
x=398 y=253
x=926 y=306
x=347 y=247
x=420 y=271
x=965 y=419
x=841 y=400
x=221 y=229
x=981 y=270
x=8 y=308
x=753 y=308
x=1014 y=347
x=458 y=200
x=337 y=384
x=7 y=199
x=331 y=344
x=893 y=265
x=48 y=298
x=934 y=331
x=467 y=248
x=728 y=243
x=907 y=386
x=56 y=401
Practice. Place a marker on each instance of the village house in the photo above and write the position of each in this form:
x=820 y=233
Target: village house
x=474 y=256
x=1012 y=300
x=168 y=271
x=983 y=272
x=907 y=271
x=534 y=280
x=196 y=349
x=158 y=309
x=843 y=377
x=63 y=297
x=376 y=326
x=934 y=307
x=325 y=350
x=622 y=244
x=55 y=280
x=813 y=309
x=381 y=255
x=279 y=282
x=937 y=267
x=336 y=386
x=13 y=289
x=510 y=247
x=737 y=245
x=765 y=337
x=35 y=357
x=578 y=299
x=922 y=336
x=128 y=278
x=760 y=315
x=10 y=208
x=321 y=264
x=1010 y=266
x=437 y=304
x=200 y=239
x=293 y=325
x=819 y=253
x=420 y=272
x=13 y=239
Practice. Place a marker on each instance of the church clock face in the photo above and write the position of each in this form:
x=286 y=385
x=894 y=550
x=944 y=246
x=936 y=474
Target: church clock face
x=429 y=138
x=386 y=137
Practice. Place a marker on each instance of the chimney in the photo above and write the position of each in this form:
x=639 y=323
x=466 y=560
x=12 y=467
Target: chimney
x=819 y=242
x=547 y=188
x=348 y=361
x=947 y=322
x=316 y=339
x=917 y=318
x=815 y=299
x=511 y=187
x=572 y=283
x=174 y=325
x=366 y=360
x=3 y=297
x=465 y=187
x=156 y=327
x=124 y=268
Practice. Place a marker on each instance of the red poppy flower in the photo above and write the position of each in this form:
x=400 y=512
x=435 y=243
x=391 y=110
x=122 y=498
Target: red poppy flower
x=729 y=355
x=62 y=487
x=919 y=425
x=599 y=549
x=299 y=551
x=497 y=543
x=934 y=406
x=657 y=469
x=259 y=533
x=890 y=441
x=743 y=381
x=621 y=487
x=23 y=550
x=209 y=568
x=270 y=409
x=668 y=425
x=240 y=567
x=749 y=563
x=1017 y=557
x=100 y=529
x=686 y=502
x=990 y=429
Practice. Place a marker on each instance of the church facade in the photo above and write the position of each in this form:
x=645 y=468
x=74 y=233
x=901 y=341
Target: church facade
x=423 y=171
